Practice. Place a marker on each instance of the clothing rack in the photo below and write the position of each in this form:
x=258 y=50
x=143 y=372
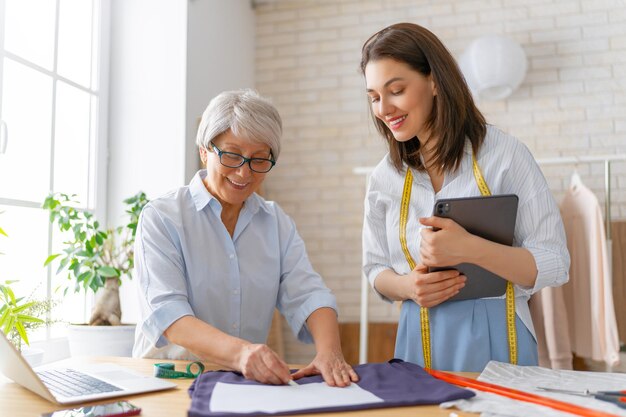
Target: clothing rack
x=607 y=159
x=566 y=160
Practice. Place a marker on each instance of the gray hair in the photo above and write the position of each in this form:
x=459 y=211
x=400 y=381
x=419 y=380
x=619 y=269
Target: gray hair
x=247 y=115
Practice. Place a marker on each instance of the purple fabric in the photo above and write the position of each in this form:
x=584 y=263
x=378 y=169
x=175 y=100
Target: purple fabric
x=397 y=382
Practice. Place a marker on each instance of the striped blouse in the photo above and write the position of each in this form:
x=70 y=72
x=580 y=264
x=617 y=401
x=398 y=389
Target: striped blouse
x=508 y=168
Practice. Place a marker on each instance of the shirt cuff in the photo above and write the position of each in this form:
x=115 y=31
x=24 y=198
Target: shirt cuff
x=550 y=272
x=162 y=318
x=371 y=277
x=297 y=322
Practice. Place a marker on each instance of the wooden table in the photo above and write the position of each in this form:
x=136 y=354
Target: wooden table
x=16 y=401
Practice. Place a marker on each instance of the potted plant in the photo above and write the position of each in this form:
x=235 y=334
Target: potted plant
x=96 y=259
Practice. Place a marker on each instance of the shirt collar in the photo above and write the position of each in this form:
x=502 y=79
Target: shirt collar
x=466 y=163
x=467 y=149
x=202 y=197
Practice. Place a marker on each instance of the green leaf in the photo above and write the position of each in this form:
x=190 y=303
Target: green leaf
x=29 y=319
x=83 y=276
x=22 y=307
x=108 y=272
x=2 y=232
x=5 y=316
x=62 y=264
x=51 y=258
x=8 y=325
x=9 y=292
x=90 y=275
x=22 y=331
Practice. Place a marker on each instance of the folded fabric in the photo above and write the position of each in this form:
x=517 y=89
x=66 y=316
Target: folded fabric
x=396 y=382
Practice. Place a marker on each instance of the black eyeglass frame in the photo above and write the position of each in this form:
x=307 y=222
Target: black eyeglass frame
x=220 y=152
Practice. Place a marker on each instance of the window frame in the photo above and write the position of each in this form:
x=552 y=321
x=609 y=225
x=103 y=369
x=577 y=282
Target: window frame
x=98 y=153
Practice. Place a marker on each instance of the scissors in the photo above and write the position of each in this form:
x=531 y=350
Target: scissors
x=616 y=397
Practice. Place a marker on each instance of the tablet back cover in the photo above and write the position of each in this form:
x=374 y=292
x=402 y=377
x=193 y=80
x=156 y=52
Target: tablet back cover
x=492 y=218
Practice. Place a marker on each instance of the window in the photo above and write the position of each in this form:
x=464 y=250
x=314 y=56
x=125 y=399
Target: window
x=52 y=131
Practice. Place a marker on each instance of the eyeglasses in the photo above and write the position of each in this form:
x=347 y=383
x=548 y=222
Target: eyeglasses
x=235 y=160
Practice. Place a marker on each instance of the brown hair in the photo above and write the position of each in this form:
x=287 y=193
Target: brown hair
x=454 y=115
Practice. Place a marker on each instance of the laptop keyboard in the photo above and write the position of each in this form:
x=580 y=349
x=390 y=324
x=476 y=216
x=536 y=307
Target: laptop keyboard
x=71 y=383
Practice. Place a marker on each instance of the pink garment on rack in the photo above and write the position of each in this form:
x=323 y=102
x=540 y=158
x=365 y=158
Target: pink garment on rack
x=588 y=294
x=547 y=308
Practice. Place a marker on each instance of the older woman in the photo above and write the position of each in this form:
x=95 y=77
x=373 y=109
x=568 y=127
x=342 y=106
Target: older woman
x=213 y=258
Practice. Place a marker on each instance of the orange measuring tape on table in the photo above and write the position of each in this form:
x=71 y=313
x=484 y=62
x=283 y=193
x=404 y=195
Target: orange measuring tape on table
x=518 y=395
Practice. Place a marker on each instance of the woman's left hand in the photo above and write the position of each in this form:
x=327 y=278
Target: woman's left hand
x=450 y=245
x=333 y=368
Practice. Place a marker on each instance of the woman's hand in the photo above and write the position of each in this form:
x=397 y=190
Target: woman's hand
x=262 y=364
x=333 y=368
x=450 y=245
x=429 y=289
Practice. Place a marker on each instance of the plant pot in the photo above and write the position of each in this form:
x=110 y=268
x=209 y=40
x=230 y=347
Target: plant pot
x=85 y=340
x=33 y=356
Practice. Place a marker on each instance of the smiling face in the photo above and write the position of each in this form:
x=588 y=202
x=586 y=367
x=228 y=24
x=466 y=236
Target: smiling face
x=232 y=186
x=401 y=98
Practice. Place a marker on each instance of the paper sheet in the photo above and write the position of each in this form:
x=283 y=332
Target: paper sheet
x=528 y=378
x=237 y=398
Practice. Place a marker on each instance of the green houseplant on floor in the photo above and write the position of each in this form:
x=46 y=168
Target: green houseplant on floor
x=95 y=258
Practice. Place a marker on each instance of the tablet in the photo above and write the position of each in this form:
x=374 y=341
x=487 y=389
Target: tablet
x=492 y=218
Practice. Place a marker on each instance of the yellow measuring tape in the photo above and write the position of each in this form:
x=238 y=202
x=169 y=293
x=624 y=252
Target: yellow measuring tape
x=424 y=320
x=404 y=214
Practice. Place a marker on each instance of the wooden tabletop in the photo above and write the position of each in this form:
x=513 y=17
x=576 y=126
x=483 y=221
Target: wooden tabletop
x=16 y=401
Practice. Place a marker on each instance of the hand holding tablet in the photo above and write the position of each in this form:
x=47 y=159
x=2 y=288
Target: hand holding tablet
x=492 y=218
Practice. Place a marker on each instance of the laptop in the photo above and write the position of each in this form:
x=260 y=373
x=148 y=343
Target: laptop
x=75 y=384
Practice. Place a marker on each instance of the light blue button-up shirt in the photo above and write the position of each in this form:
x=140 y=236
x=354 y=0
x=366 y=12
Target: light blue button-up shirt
x=188 y=264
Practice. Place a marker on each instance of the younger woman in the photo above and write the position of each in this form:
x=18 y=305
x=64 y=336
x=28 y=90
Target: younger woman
x=441 y=147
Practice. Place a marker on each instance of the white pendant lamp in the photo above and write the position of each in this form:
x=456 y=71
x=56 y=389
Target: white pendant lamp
x=493 y=66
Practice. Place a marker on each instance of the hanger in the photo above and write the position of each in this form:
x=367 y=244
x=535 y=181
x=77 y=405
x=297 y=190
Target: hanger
x=575 y=180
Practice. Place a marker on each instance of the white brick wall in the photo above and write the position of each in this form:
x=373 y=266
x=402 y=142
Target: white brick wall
x=572 y=102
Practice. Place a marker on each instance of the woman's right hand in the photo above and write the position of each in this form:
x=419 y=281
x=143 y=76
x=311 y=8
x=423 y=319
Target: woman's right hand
x=262 y=364
x=429 y=289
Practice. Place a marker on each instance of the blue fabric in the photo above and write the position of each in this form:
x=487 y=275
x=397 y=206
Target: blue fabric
x=396 y=382
x=187 y=264
x=465 y=335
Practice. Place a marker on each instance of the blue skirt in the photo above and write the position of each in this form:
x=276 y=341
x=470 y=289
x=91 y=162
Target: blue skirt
x=464 y=335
